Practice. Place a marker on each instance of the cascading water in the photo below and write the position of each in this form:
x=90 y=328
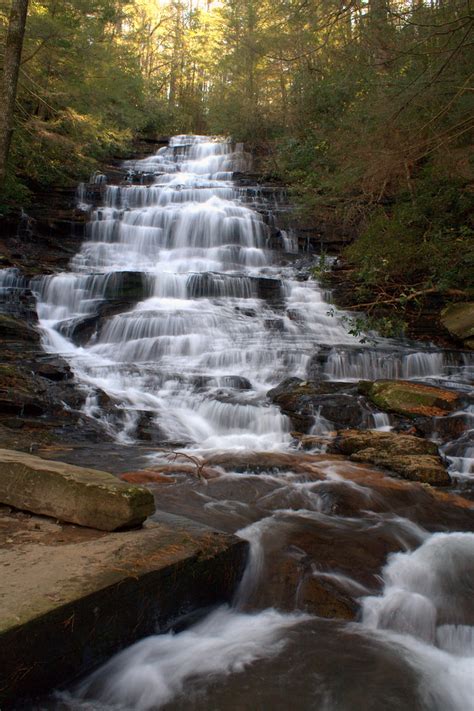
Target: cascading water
x=216 y=322
x=193 y=319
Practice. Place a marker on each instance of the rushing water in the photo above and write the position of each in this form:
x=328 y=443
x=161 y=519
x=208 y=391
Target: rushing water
x=200 y=316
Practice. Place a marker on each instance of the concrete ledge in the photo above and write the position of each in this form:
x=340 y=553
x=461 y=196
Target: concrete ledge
x=87 y=497
x=72 y=597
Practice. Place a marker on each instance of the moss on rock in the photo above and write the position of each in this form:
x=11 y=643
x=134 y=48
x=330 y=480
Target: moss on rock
x=410 y=457
x=410 y=399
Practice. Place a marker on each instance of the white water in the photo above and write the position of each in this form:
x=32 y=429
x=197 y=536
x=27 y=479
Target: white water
x=155 y=670
x=428 y=602
x=217 y=323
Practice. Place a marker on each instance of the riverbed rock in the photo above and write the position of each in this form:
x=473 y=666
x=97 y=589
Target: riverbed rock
x=163 y=473
x=410 y=399
x=309 y=442
x=458 y=319
x=423 y=468
x=409 y=457
x=338 y=403
x=258 y=462
x=87 y=497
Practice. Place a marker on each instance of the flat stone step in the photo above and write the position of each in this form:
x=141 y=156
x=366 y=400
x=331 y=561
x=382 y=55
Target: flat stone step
x=71 y=597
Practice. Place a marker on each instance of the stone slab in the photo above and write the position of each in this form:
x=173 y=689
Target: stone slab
x=70 y=597
x=87 y=497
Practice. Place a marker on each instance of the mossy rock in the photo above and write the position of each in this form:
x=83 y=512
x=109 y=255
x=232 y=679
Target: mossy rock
x=424 y=468
x=458 y=319
x=350 y=441
x=409 y=457
x=410 y=399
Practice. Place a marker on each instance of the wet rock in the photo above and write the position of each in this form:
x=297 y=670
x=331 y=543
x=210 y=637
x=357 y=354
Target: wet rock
x=350 y=441
x=164 y=473
x=423 y=468
x=147 y=476
x=409 y=457
x=458 y=319
x=13 y=329
x=18 y=302
x=81 y=330
x=147 y=429
x=444 y=429
x=19 y=393
x=270 y=290
x=326 y=599
x=311 y=564
x=302 y=401
x=121 y=292
x=275 y=325
x=312 y=441
x=410 y=399
x=127 y=286
x=56 y=370
x=237 y=382
x=297 y=462
x=83 y=496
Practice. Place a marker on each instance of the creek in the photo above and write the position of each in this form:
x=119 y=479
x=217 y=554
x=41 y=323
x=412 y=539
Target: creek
x=185 y=305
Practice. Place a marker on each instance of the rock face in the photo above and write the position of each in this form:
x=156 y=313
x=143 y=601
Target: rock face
x=83 y=496
x=338 y=403
x=410 y=399
x=409 y=457
x=458 y=319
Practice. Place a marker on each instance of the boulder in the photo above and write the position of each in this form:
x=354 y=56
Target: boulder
x=423 y=468
x=87 y=497
x=410 y=399
x=458 y=319
x=409 y=457
x=301 y=401
x=350 y=441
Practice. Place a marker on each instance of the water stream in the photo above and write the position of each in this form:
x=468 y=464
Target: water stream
x=201 y=311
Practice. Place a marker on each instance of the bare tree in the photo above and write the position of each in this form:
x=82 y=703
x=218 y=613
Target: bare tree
x=11 y=68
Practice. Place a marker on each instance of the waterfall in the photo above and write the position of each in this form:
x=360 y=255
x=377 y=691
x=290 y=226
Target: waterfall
x=213 y=304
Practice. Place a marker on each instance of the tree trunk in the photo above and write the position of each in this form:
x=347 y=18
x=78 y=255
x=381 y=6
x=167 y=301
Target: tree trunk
x=11 y=68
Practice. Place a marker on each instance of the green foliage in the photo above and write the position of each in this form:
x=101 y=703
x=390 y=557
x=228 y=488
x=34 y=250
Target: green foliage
x=322 y=268
x=82 y=92
x=15 y=195
x=365 y=327
x=424 y=239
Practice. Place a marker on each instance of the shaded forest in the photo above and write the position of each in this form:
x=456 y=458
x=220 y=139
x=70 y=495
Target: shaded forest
x=364 y=108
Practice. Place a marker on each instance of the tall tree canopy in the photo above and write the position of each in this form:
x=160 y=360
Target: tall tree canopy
x=363 y=106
